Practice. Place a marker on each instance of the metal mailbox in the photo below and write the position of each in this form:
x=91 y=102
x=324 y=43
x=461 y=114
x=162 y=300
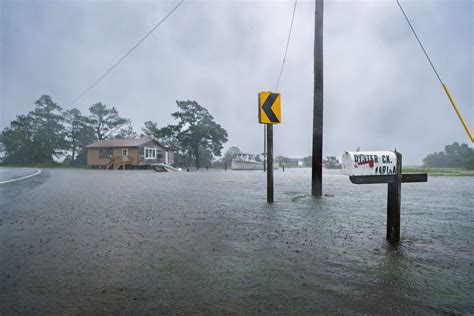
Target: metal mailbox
x=369 y=163
x=368 y=167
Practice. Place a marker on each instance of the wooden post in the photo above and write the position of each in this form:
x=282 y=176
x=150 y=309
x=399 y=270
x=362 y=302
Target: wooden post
x=394 y=179
x=393 y=203
x=317 y=161
x=264 y=147
x=269 y=163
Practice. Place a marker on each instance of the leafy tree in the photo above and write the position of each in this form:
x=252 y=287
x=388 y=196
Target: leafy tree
x=197 y=130
x=331 y=162
x=18 y=140
x=469 y=165
x=454 y=156
x=167 y=137
x=49 y=132
x=78 y=134
x=127 y=133
x=36 y=137
x=230 y=154
x=48 y=129
x=105 y=121
x=205 y=157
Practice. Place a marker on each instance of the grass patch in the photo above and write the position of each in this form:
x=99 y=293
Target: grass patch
x=454 y=172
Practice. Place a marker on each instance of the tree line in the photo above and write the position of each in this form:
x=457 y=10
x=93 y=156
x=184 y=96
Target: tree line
x=454 y=156
x=48 y=133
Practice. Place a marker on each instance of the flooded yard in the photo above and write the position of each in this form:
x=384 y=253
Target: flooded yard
x=81 y=241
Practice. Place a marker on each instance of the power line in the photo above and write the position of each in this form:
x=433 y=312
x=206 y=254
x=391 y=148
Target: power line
x=448 y=94
x=126 y=54
x=419 y=42
x=287 y=44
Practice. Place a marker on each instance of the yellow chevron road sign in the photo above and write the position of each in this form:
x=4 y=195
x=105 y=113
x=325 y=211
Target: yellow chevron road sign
x=269 y=108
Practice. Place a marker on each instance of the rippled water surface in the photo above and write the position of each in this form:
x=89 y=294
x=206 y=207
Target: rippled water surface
x=80 y=241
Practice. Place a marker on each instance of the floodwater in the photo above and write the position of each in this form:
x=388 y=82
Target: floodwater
x=82 y=241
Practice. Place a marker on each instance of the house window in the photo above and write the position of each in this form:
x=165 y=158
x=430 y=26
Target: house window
x=105 y=153
x=150 y=153
x=125 y=152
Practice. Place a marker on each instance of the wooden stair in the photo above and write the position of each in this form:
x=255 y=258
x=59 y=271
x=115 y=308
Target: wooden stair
x=116 y=163
x=113 y=163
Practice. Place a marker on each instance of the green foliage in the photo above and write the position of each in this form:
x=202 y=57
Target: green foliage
x=230 y=154
x=195 y=136
x=48 y=133
x=105 y=121
x=18 y=140
x=78 y=134
x=469 y=165
x=167 y=137
x=331 y=162
x=196 y=131
x=454 y=156
x=36 y=137
x=49 y=129
x=127 y=132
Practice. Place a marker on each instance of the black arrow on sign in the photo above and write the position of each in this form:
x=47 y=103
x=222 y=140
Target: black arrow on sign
x=267 y=107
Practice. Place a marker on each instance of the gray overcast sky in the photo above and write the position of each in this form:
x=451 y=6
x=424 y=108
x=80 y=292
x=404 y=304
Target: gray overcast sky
x=380 y=91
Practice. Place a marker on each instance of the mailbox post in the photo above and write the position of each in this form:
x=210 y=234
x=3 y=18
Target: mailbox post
x=394 y=203
x=382 y=167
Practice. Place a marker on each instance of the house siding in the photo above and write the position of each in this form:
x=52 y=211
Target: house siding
x=160 y=154
x=136 y=155
x=93 y=158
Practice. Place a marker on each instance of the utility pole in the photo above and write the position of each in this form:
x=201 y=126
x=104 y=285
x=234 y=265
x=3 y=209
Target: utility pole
x=317 y=156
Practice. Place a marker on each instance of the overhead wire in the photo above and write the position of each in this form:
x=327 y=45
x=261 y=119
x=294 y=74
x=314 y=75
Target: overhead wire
x=279 y=76
x=419 y=42
x=126 y=54
x=287 y=45
x=464 y=124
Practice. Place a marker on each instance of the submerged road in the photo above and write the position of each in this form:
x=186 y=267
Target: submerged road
x=96 y=241
x=14 y=182
x=8 y=175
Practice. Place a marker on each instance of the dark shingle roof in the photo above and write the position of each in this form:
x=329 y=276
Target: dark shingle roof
x=120 y=143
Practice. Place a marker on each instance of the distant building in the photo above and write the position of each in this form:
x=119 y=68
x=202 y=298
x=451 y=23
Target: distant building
x=294 y=163
x=246 y=162
x=127 y=154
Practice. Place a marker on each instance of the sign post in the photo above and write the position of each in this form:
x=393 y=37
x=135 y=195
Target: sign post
x=269 y=113
x=264 y=148
x=270 y=163
x=382 y=167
